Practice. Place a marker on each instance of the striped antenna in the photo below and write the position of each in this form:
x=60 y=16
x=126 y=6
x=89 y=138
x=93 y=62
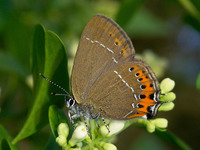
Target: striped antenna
x=60 y=87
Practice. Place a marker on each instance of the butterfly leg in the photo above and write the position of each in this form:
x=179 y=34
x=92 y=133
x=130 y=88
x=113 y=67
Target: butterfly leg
x=96 y=118
x=86 y=125
x=97 y=122
x=99 y=115
x=105 y=124
x=72 y=117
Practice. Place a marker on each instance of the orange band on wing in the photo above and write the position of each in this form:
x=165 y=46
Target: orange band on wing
x=136 y=115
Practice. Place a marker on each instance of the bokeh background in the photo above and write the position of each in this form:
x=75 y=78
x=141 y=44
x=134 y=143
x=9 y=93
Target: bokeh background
x=167 y=30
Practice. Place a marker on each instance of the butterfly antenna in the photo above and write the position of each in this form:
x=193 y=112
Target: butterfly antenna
x=60 y=87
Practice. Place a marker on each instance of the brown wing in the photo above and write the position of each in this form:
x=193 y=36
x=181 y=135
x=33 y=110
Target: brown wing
x=103 y=45
x=125 y=92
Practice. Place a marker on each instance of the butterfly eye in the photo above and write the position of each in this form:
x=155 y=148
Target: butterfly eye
x=70 y=102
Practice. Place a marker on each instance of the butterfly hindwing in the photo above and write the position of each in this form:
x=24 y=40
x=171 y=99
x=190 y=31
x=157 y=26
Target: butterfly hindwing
x=124 y=92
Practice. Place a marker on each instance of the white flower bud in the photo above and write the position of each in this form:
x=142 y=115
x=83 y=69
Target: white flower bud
x=167 y=85
x=63 y=130
x=169 y=97
x=160 y=122
x=103 y=131
x=115 y=126
x=75 y=148
x=61 y=140
x=150 y=127
x=108 y=146
x=166 y=106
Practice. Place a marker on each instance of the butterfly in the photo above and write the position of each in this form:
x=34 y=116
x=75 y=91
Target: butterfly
x=107 y=80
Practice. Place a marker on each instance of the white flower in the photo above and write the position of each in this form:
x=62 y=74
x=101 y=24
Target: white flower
x=78 y=135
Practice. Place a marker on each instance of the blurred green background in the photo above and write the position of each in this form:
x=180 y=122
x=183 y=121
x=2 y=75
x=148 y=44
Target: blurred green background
x=169 y=29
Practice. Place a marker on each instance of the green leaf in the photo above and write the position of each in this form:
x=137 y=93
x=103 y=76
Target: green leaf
x=198 y=82
x=5 y=140
x=49 y=58
x=56 y=116
x=127 y=10
x=38 y=55
x=196 y=4
x=52 y=145
x=191 y=7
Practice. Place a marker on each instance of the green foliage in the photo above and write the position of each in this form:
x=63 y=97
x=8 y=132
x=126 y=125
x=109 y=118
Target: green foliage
x=49 y=58
x=6 y=141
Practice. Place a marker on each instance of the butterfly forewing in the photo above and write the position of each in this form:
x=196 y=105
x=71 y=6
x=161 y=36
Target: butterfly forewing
x=103 y=45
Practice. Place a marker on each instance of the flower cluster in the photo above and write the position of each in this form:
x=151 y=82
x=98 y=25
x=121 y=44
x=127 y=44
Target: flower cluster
x=100 y=137
x=167 y=97
x=80 y=136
